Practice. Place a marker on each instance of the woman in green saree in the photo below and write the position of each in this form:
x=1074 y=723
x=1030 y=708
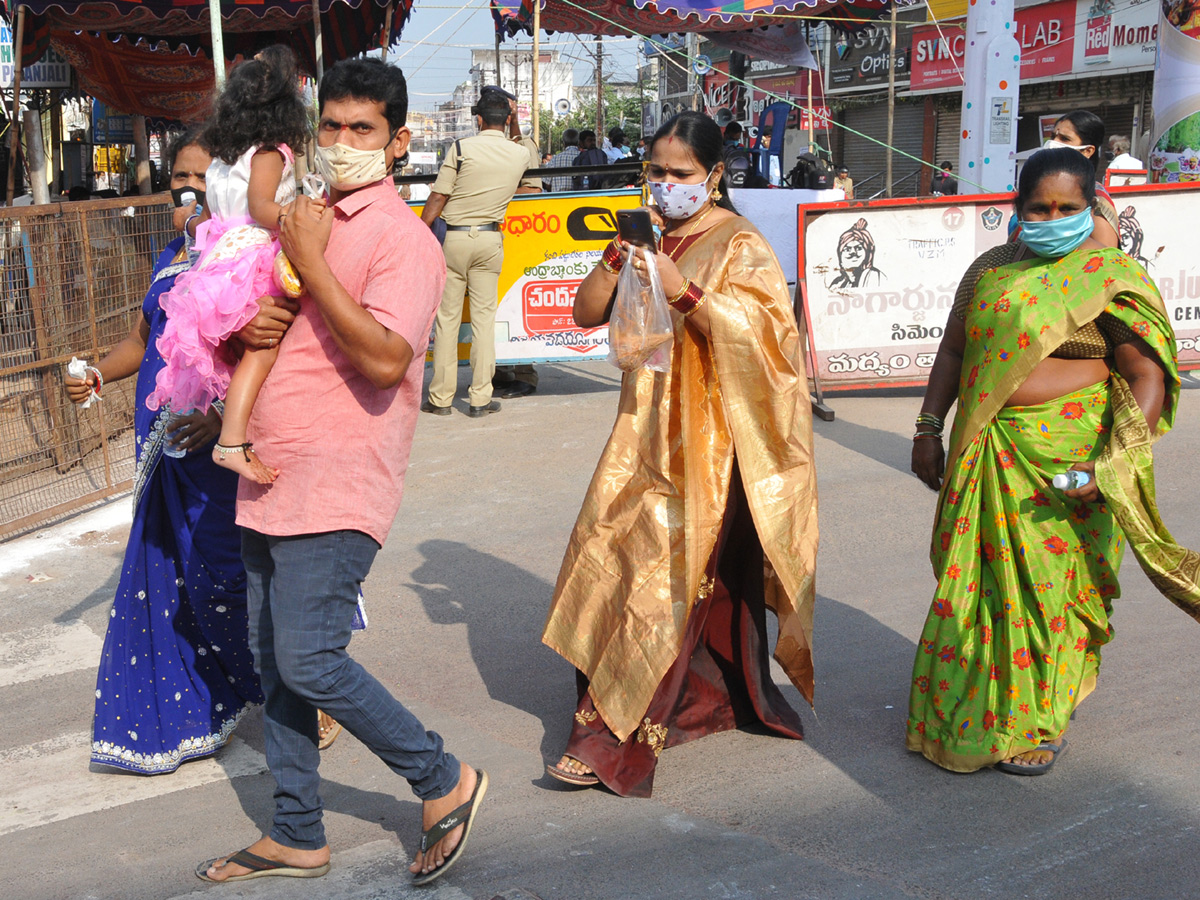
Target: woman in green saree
x=1062 y=357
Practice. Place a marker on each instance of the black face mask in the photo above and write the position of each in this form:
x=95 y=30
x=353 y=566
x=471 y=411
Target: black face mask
x=177 y=195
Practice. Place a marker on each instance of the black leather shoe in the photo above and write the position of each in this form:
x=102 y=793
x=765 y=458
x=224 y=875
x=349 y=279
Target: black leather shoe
x=476 y=411
x=514 y=389
x=428 y=407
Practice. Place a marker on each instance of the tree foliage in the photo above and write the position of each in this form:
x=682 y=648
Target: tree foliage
x=624 y=111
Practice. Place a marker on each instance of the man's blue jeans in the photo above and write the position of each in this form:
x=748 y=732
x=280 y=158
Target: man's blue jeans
x=301 y=594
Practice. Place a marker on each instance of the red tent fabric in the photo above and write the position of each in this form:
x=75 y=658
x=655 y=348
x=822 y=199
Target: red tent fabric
x=159 y=83
x=349 y=27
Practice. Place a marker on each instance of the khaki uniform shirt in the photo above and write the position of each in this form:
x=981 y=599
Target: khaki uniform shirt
x=480 y=182
x=846 y=184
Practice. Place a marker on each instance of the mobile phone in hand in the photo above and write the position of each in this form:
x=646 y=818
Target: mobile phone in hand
x=636 y=227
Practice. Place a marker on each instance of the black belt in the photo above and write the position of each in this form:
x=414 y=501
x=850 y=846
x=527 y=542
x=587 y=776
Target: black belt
x=490 y=226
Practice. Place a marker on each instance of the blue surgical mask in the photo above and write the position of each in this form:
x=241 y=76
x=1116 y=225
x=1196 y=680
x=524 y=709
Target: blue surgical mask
x=1057 y=237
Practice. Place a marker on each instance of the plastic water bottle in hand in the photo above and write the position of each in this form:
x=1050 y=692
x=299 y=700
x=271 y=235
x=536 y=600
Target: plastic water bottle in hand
x=78 y=368
x=1070 y=480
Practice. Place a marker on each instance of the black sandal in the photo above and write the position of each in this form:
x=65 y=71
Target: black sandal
x=464 y=816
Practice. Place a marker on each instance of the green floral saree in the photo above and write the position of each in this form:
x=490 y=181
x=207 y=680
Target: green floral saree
x=1026 y=576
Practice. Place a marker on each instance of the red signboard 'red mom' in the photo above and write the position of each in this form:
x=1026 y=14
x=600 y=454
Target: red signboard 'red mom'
x=1046 y=34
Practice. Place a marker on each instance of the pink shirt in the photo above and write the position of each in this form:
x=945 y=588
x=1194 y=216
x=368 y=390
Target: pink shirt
x=341 y=444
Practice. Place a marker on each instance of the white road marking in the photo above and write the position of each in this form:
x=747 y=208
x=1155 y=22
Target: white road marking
x=26 y=774
x=47 y=650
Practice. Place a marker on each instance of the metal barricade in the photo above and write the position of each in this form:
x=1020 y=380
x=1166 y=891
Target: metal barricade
x=72 y=280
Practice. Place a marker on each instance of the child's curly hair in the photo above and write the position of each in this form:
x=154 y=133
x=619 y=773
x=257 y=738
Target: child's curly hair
x=260 y=105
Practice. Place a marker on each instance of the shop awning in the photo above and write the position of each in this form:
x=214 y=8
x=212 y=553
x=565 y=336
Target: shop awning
x=349 y=26
x=622 y=18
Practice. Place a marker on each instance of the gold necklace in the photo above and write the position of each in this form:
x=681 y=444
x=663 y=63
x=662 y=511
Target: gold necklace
x=696 y=224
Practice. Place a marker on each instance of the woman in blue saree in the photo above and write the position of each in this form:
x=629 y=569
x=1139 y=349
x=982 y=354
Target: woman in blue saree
x=176 y=672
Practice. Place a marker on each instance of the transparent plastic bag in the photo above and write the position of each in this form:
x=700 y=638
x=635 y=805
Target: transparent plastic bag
x=640 y=332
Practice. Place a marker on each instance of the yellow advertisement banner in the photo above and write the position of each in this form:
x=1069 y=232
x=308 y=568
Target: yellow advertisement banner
x=551 y=242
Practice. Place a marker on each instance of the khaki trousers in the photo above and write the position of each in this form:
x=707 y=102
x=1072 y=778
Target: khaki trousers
x=472 y=265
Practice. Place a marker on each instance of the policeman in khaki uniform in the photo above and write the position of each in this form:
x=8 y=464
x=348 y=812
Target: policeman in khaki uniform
x=478 y=177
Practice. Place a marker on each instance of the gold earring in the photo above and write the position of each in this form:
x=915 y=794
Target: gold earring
x=716 y=195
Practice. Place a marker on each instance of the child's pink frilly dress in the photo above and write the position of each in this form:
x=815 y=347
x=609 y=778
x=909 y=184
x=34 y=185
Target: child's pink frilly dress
x=217 y=296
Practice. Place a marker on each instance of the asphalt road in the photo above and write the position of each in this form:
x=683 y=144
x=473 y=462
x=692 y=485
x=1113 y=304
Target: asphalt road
x=457 y=599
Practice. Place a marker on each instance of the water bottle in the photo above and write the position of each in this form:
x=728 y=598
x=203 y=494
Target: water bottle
x=1070 y=480
x=174 y=450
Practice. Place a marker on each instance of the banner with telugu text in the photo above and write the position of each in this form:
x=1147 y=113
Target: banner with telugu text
x=880 y=280
x=551 y=242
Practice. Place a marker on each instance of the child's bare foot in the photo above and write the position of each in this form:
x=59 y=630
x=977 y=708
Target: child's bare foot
x=242 y=459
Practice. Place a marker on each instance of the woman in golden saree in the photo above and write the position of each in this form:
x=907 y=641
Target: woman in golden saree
x=1061 y=357
x=702 y=512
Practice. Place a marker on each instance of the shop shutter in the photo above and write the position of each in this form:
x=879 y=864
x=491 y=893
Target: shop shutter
x=949 y=130
x=867 y=161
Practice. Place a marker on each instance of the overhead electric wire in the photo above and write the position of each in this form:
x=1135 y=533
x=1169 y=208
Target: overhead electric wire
x=733 y=78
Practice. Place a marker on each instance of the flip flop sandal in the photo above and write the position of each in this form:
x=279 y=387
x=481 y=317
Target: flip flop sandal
x=579 y=779
x=325 y=741
x=465 y=816
x=1058 y=749
x=259 y=868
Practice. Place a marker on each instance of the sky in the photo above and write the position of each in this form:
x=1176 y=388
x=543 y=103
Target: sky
x=435 y=49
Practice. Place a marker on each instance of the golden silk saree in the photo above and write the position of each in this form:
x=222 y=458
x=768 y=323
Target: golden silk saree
x=1026 y=576
x=635 y=563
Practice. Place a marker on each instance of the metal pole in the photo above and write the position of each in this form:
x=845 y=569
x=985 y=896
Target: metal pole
x=599 y=89
x=891 y=98
x=56 y=140
x=36 y=156
x=387 y=32
x=218 y=42
x=14 y=121
x=318 y=41
x=499 y=81
x=811 y=142
x=537 y=49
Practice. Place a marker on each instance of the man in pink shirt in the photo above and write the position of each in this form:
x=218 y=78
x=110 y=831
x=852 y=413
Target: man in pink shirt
x=337 y=415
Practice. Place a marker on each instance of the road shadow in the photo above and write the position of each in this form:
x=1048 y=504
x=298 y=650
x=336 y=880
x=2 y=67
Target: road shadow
x=593 y=377
x=885 y=447
x=516 y=668
x=101 y=596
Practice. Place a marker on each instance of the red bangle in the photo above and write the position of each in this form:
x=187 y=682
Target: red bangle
x=689 y=299
x=611 y=260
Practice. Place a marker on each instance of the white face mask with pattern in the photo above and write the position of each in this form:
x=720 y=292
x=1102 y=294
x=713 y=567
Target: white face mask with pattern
x=347 y=168
x=680 y=201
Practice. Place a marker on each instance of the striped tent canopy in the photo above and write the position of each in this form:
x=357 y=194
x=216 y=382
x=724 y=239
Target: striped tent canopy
x=348 y=26
x=622 y=18
x=153 y=57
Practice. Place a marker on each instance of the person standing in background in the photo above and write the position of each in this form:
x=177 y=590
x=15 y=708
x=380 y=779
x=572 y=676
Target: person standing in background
x=943 y=181
x=843 y=181
x=589 y=155
x=472 y=191
x=519 y=380
x=564 y=157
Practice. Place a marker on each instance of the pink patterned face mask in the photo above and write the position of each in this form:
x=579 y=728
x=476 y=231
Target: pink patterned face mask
x=680 y=201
